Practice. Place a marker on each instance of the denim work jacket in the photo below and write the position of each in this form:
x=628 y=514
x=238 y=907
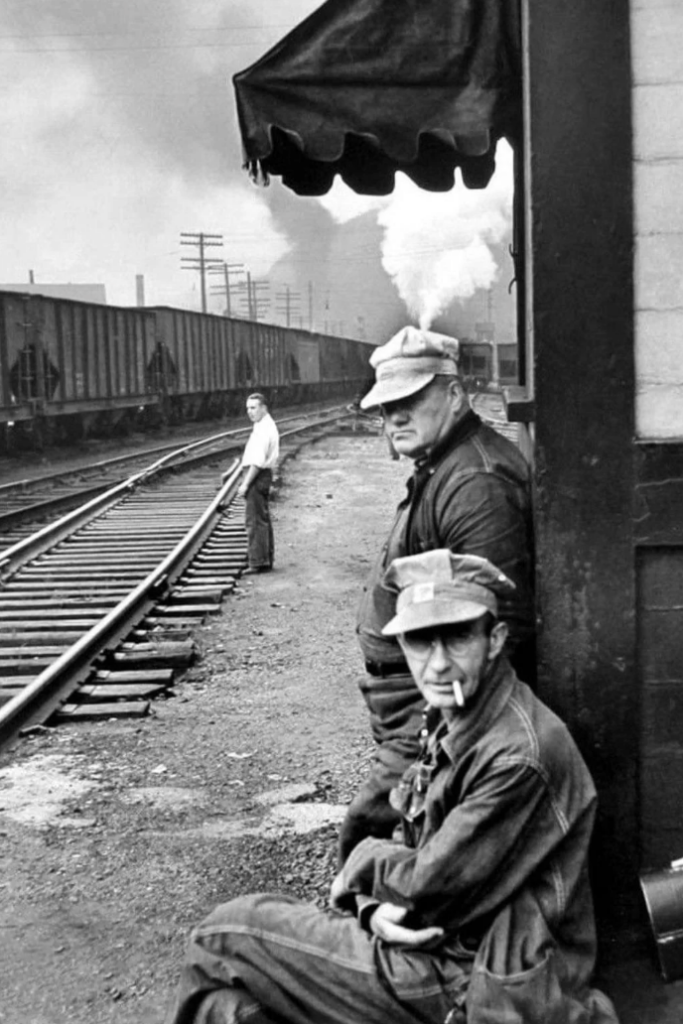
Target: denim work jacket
x=470 y=494
x=497 y=815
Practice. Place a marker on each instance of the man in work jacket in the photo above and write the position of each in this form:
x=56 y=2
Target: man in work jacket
x=470 y=492
x=259 y=460
x=481 y=912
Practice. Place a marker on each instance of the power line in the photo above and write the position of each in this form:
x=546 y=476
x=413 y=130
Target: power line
x=227 y=288
x=95 y=35
x=290 y=301
x=254 y=303
x=201 y=241
x=131 y=49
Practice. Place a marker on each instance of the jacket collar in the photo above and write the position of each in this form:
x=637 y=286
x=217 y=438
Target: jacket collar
x=458 y=433
x=492 y=698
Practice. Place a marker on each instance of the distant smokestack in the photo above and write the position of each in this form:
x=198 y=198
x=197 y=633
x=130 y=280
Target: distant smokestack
x=31 y=278
x=140 y=289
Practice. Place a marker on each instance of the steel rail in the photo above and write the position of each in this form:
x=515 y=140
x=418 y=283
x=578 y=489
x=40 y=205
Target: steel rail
x=15 y=556
x=25 y=513
x=40 y=698
x=28 y=482
x=53 y=686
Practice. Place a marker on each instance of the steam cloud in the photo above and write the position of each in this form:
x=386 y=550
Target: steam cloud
x=436 y=246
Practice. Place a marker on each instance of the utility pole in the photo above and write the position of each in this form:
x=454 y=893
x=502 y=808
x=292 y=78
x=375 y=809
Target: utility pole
x=255 y=305
x=291 y=300
x=240 y=289
x=227 y=288
x=495 y=365
x=201 y=241
x=259 y=305
x=250 y=299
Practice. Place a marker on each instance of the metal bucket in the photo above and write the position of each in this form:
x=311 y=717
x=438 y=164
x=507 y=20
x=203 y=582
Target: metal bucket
x=663 y=893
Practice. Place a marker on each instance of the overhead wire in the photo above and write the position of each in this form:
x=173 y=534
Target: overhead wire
x=213 y=30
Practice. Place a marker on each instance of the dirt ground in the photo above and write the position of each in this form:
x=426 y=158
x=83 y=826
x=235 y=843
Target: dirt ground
x=116 y=838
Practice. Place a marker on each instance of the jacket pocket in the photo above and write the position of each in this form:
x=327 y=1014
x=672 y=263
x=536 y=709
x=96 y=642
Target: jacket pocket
x=518 y=976
x=532 y=996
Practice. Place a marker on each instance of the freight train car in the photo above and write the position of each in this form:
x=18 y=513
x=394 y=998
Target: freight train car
x=203 y=365
x=70 y=369
x=71 y=360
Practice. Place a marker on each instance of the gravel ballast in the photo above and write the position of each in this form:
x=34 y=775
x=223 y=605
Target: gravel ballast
x=117 y=837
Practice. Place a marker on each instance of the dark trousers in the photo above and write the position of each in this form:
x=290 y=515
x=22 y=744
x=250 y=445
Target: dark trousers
x=396 y=707
x=273 y=960
x=259 y=527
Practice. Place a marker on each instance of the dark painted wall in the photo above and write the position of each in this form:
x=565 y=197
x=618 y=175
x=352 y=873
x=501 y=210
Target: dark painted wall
x=659 y=606
x=580 y=312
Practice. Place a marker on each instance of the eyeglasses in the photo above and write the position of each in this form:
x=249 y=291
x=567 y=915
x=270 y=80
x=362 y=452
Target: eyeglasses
x=455 y=639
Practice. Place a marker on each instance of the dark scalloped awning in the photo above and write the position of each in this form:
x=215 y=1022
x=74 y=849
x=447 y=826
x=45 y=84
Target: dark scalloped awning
x=365 y=88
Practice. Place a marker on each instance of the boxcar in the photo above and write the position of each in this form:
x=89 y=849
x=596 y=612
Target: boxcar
x=72 y=360
x=69 y=368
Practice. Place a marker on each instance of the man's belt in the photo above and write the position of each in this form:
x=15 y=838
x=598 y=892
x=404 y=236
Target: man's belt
x=396 y=668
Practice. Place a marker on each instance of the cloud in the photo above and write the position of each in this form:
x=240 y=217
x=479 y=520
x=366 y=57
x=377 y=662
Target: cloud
x=119 y=132
x=343 y=204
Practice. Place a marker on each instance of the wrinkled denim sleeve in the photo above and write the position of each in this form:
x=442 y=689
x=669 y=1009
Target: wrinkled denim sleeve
x=487 y=846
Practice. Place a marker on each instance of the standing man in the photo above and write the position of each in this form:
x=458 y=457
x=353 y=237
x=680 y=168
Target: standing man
x=470 y=492
x=258 y=462
x=482 y=914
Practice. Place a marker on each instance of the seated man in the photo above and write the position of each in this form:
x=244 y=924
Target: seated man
x=482 y=911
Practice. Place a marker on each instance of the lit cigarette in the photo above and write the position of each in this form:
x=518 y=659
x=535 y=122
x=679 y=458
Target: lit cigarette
x=458 y=694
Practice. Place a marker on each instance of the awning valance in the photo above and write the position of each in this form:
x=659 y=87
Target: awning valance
x=365 y=88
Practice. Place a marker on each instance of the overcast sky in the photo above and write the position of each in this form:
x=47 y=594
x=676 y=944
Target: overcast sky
x=119 y=132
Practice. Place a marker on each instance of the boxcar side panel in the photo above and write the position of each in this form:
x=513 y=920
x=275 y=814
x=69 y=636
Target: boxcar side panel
x=302 y=360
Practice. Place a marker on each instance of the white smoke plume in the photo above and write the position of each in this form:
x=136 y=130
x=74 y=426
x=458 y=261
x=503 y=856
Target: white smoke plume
x=436 y=245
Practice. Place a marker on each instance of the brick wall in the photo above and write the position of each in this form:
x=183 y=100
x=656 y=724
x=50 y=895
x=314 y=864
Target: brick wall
x=657 y=46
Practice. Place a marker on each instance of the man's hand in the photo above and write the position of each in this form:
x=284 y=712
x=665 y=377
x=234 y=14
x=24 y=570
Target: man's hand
x=385 y=923
x=339 y=894
x=242 y=491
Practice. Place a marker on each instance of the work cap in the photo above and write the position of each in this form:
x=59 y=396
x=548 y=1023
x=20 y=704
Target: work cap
x=438 y=587
x=408 y=362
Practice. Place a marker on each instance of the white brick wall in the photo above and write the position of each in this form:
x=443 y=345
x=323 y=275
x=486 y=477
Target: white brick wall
x=657 y=50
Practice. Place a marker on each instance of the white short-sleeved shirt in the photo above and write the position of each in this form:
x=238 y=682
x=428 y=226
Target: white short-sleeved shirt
x=263 y=447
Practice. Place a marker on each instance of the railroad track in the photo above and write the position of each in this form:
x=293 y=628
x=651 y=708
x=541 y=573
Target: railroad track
x=98 y=608
x=24 y=502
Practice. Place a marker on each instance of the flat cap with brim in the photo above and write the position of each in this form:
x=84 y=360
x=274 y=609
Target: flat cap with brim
x=408 y=362
x=438 y=587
